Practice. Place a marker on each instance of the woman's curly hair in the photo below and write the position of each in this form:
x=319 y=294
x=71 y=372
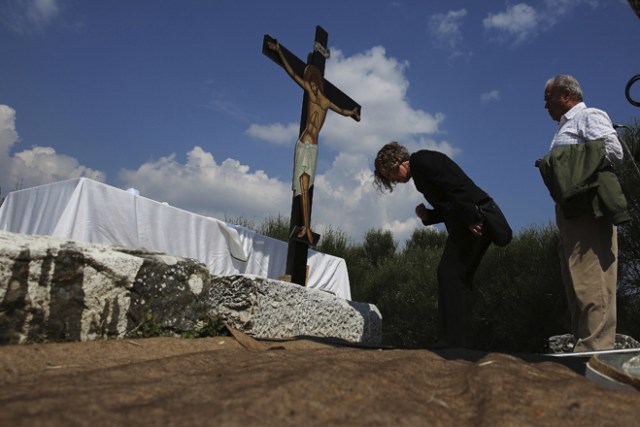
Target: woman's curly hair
x=389 y=158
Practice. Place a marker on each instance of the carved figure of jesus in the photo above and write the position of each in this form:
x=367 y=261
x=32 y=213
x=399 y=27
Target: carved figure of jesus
x=306 y=150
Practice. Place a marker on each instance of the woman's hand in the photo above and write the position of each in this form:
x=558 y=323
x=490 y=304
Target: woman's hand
x=422 y=212
x=476 y=229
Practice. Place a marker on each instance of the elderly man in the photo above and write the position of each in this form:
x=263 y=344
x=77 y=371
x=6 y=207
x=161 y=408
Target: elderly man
x=589 y=205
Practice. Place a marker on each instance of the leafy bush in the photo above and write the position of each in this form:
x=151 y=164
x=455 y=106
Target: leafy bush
x=629 y=236
x=519 y=295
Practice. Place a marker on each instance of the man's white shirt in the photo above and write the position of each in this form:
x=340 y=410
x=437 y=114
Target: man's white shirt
x=582 y=124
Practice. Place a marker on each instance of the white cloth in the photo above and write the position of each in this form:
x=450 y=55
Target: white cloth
x=90 y=211
x=581 y=124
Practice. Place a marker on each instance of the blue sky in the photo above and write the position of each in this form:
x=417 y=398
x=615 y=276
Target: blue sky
x=175 y=98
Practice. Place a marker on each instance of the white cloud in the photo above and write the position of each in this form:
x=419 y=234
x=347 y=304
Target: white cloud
x=344 y=196
x=35 y=166
x=24 y=16
x=221 y=190
x=379 y=84
x=445 y=28
x=8 y=134
x=521 y=22
x=560 y=8
x=493 y=95
x=41 y=165
x=42 y=11
x=276 y=133
x=8 y=137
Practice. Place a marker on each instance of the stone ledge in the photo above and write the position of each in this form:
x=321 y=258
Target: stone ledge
x=54 y=290
x=266 y=308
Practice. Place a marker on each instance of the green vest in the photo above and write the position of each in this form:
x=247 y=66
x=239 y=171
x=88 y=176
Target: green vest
x=577 y=182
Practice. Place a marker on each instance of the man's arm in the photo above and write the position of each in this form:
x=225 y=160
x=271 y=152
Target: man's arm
x=599 y=126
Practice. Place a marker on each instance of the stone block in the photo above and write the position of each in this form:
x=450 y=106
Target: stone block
x=267 y=308
x=54 y=290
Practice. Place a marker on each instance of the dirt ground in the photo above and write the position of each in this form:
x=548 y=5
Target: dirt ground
x=230 y=381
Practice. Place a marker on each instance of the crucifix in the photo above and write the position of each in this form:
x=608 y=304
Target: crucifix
x=319 y=97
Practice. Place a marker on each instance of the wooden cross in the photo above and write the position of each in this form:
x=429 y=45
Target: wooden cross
x=320 y=95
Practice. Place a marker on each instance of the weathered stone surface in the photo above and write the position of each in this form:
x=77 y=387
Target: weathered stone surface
x=57 y=290
x=564 y=343
x=265 y=308
x=53 y=290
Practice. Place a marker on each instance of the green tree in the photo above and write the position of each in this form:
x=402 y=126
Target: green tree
x=416 y=296
x=334 y=242
x=241 y=221
x=406 y=297
x=275 y=227
x=363 y=261
x=426 y=239
x=629 y=235
x=378 y=245
x=519 y=295
x=401 y=285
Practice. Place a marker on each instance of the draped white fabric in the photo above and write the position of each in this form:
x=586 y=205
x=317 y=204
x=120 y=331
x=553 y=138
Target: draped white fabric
x=90 y=211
